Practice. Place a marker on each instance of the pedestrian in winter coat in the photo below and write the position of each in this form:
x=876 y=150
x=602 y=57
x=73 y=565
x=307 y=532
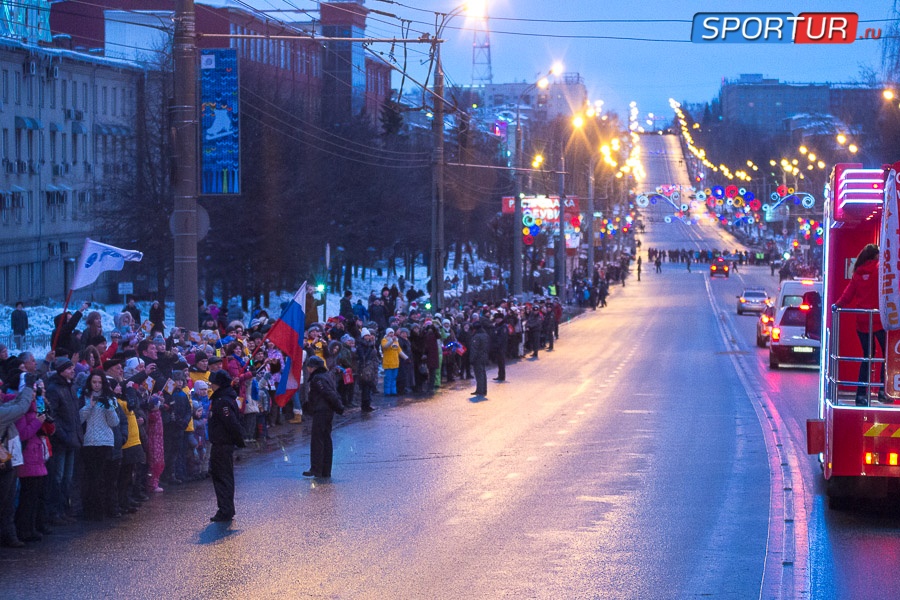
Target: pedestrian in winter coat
x=534 y=324
x=479 y=350
x=390 y=351
x=431 y=355
x=346 y=309
x=66 y=343
x=11 y=412
x=324 y=401
x=405 y=380
x=225 y=433
x=499 y=344
x=32 y=474
x=66 y=440
x=19 y=322
x=99 y=418
x=368 y=361
x=158 y=316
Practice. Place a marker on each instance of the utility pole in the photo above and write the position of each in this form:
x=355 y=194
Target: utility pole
x=516 y=268
x=561 y=239
x=589 y=221
x=437 y=215
x=184 y=183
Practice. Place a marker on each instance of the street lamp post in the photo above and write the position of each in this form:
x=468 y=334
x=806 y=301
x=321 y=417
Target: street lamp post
x=516 y=268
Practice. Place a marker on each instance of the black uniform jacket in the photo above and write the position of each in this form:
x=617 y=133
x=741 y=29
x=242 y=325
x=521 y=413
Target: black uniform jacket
x=224 y=426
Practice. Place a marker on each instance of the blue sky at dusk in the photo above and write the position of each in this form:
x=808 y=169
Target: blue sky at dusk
x=527 y=36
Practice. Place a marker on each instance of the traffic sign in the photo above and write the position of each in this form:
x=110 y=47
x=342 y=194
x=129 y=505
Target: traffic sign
x=126 y=288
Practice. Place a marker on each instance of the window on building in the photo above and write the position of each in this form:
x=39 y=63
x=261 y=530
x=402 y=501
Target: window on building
x=4 y=86
x=40 y=89
x=18 y=144
x=29 y=90
x=125 y=111
x=17 y=87
x=62 y=146
x=95 y=98
x=53 y=147
x=104 y=98
x=5 y=144
x=75 y=137
x=64 y=94
x=29 y=139
x=53 y=93
x=115 y=102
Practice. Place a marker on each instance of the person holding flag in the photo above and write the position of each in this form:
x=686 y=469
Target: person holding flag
x=95 y=258
x=287 y=335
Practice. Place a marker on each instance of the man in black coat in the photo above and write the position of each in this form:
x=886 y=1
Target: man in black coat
x=324 y=401
x=224 y=431
x=63 y=406
x=479 y=350
x=499 y=343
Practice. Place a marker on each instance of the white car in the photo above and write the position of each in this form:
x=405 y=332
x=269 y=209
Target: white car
x=752 y=300
x=788 y=343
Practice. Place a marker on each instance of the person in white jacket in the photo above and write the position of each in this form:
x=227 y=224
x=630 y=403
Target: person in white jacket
x=99 y=416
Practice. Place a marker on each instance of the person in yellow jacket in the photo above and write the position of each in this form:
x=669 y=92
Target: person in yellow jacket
x=200 y=370
x=390 y=361
x=132 y=455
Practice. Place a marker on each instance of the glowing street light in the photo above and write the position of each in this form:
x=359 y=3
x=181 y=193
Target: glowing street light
x=853 y=148
x=841 y=139
x=803 y=149
x=888 y=94
x=578 y=121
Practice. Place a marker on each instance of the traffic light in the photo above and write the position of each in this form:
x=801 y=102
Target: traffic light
x=320 y=288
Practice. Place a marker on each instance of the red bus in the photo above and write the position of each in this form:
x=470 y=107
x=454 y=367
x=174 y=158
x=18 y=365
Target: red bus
x=857 y=432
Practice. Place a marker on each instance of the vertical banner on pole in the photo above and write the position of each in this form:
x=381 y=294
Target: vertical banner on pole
x=220 y=140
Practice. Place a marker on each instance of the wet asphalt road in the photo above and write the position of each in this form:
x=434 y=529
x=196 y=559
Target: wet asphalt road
x=628 y=463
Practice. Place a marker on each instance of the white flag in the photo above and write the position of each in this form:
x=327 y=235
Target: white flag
x=96 y=258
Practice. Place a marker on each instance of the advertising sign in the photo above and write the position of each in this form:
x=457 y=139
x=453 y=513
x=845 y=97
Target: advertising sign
x=220 y=140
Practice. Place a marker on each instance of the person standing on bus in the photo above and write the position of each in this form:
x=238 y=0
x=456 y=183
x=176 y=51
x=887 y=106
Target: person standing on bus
x=862 y=292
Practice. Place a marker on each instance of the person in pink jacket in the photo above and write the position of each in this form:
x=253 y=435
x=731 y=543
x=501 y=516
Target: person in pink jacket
x=862 y=292
x=34 y=431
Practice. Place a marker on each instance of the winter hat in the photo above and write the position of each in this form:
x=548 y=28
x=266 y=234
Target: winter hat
x=200 y=355
x=446 y=322
x=109 y=364
x=201 y=385
x=388 y=331
x=131 y=366
x=346 y=338
x=403 y=330
x=220 y=378
x=365 y=332
x=214 y=360
x=62 y=364
x=314 y=362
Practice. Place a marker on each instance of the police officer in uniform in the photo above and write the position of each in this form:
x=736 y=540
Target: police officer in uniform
x=324 y=400
x=224 y=430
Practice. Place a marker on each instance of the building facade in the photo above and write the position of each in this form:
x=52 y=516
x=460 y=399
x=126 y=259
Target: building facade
x=67 y=122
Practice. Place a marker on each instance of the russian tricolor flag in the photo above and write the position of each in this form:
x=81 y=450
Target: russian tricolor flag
x=287 y=334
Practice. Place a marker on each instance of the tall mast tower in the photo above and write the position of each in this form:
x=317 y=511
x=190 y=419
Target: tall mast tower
x=481 y=51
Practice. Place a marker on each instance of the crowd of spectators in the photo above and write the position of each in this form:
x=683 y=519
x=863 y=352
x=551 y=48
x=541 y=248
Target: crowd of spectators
x=109 y=418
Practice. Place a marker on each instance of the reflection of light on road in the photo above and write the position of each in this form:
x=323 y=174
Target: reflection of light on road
x=513 y=475
x=562 y=432
x=549 y=443
x=487 y=495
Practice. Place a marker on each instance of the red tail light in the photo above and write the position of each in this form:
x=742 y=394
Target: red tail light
x=776 y=334
x=726 y=268
x=764 y=319
x=712 y=268
x=804 y=307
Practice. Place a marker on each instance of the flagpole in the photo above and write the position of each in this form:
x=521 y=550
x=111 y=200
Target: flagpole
x=65 y=308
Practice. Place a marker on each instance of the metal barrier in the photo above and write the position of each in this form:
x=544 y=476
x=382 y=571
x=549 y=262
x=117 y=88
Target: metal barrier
x=32 y=341
x=835 y=359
